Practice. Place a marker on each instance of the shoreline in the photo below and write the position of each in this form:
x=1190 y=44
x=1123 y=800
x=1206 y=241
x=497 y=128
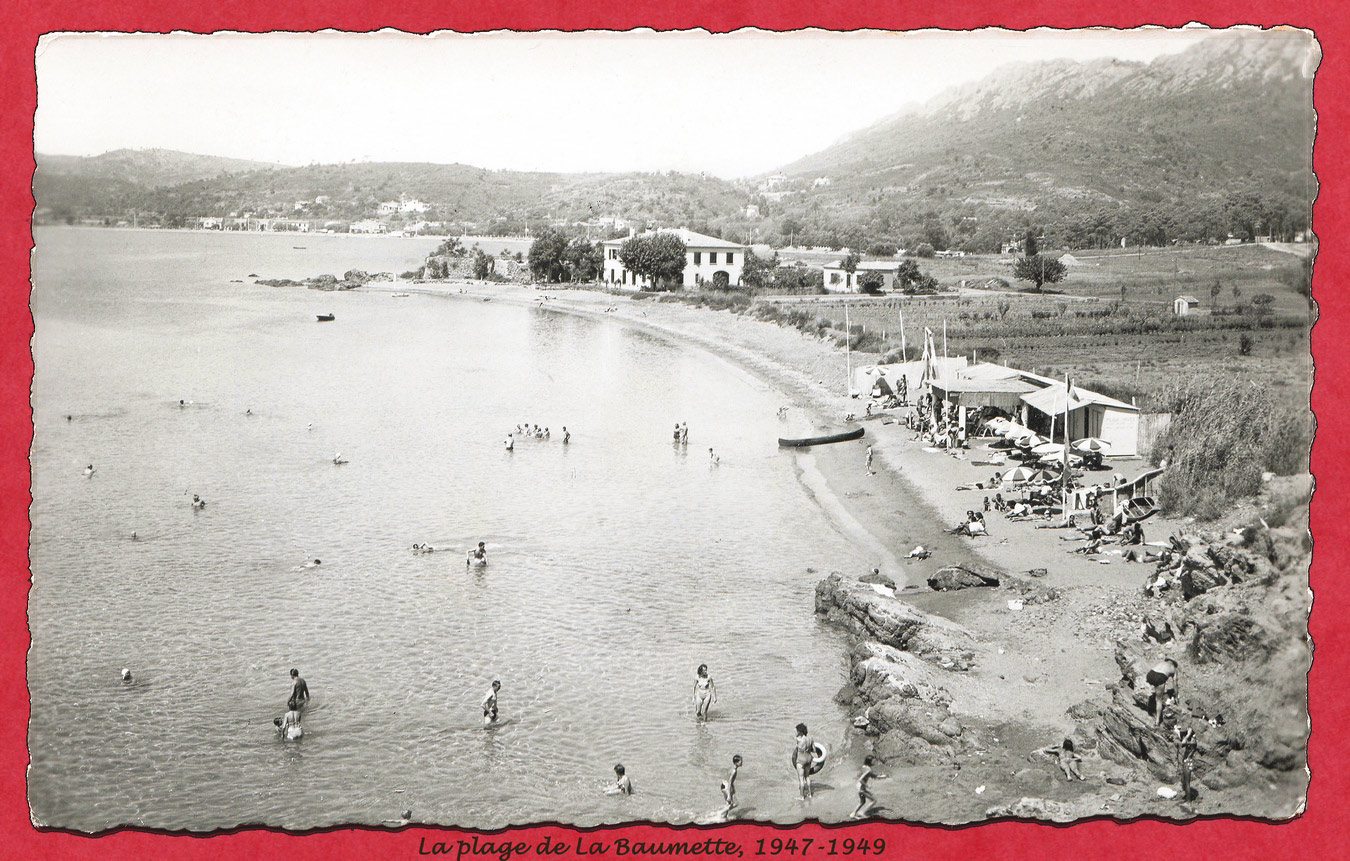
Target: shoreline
x=1038 y=664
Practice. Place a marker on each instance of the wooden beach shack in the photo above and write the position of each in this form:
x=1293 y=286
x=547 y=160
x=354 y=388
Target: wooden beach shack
x=1089 y=414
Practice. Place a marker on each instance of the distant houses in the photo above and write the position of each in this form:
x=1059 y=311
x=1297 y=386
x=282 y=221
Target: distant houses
x=707 y=260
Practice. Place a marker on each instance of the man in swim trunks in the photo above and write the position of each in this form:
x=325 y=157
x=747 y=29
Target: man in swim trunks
x=479 y=553
x=510 y=442
x=490 y=704
x=567 y=437
x=1163 y=678
x=299 y=692
x=802 y=753
x=729 y=787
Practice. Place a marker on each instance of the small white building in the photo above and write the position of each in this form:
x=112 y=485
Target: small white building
x=1184 y=305
x=368 y=226
x=707 y=260
x=840 y=280
x=412 y=204
x=389 y=207
x=751 y=211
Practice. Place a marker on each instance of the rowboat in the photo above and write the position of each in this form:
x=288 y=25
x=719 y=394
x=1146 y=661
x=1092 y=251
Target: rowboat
x=324 y=318
x=1139 y=508
x=856 y=433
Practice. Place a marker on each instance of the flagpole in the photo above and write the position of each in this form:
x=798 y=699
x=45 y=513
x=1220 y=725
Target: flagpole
x=904 y=354
x=848 y=352
x=1064 y=475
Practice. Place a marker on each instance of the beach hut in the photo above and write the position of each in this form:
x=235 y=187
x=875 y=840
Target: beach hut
x=1089 y=414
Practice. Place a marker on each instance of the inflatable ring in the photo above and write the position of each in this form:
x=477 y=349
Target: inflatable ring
x=818 y=754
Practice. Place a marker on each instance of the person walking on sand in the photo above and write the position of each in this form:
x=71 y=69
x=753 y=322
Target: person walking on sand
x=299 y=692
x=803 y=752
x=705 y=692
x=866 y=801
x=490 y=704
x=869 y=460
x=728 y=788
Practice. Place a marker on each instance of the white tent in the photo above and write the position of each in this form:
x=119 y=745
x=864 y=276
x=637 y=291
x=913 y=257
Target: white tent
x=1090 y=414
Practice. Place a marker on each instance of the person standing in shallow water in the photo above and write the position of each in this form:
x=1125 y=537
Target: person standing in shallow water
x=622 y=785
x=490 y=704
x=705 y=692
x=802 y=753
x=299 y=692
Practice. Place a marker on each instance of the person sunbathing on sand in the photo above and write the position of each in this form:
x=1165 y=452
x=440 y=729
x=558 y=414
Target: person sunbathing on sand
x=1065 y=757
x=919 y=552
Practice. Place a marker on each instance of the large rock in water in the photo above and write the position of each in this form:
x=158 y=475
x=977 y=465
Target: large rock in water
x=888 y=620
x=960 y=577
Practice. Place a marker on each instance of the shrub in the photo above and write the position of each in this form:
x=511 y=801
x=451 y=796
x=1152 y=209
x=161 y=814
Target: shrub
x=1245 y=345
x=1222 y=436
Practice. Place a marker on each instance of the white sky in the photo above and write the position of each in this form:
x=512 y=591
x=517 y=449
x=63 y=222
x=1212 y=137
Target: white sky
x=730 y=105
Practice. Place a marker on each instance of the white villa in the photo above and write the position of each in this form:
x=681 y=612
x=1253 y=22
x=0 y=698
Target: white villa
x=840 y=280
x=707 y=259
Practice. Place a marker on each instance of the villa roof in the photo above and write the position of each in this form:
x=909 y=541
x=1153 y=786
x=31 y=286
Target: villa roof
x=687 y=236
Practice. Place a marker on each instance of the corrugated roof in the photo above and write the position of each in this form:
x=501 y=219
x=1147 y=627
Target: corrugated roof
x=1051 y=400
x=1007 y=386
x=989 y=371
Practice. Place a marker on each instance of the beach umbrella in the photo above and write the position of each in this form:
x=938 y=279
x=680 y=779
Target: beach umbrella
x=1020 y=475
x=998 y=425
x=1016 y=431
x=1091 y=444
x=1031 y=441
x=1049 y=449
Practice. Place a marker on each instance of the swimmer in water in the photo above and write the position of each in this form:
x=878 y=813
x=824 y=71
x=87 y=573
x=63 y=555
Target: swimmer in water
x=126 y=676
x=728 y=787
x=337 y=459
x=866 y=801
x=802 y=753
x=490 y=704
x=69 y=417
x=299 y=692
x=181 y=403
x=289 y=726
x=313 y=563
x=510 y=442
x=705 y=693
x=622 y=785
x=89 y=470
x=478 y=554
x=249 y=411
x=134 y=536
x=567 y=437
x=713 y=459
x=198 y=502
x=310 y=426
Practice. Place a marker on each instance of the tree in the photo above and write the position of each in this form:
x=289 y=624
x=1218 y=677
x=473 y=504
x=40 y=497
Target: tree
x=583 y=260
x=1029 y=246
x=659 y=258
x=871 y=282
x=450 y=248
x=924 y=250
x=851 y=261
x=911 y=279
x=1214 y=290
x=1261 y=303
x=483 y=264
x=547 y=253
x=758 y=271
x=1039 y=270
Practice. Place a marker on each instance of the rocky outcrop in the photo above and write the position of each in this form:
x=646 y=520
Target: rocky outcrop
x=1036 y=808
x=960 y=577
x=892 y=622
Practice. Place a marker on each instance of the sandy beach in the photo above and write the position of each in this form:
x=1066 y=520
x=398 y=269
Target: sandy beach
x=1035 y=660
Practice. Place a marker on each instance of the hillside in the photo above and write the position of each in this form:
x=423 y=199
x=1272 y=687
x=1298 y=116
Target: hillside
x=1230 y=116
x=1197 y=146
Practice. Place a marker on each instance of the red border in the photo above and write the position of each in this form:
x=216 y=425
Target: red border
x=1318 y=833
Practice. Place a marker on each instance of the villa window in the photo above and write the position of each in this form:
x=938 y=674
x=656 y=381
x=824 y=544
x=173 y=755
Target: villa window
x=698 y=258
x=712 y=258
x=731 y=258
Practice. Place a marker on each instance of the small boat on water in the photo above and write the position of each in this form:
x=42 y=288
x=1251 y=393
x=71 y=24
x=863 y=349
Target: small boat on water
x=400 y=295
x=856 y=433
x=298 y=247
x=325 y=318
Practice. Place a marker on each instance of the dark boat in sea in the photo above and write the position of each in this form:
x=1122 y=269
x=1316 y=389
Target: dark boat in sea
x=856 y=433
x=324 y=318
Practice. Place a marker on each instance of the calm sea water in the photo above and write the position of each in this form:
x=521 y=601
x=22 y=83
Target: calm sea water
x=618 y=563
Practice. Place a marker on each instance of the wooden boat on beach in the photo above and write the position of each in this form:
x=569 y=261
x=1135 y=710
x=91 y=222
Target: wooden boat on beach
x=1139 y=508
x=325 y=318
x=856 y=433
